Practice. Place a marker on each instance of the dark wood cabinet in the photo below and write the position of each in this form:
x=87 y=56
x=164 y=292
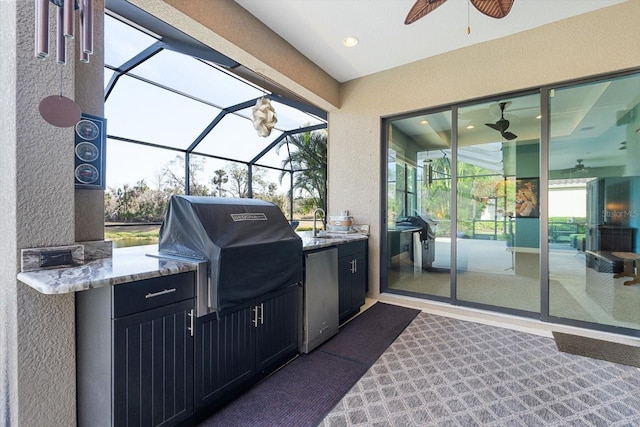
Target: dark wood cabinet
x=352 y=277
x=237 y=348
x=135 y=352
x=153 y=366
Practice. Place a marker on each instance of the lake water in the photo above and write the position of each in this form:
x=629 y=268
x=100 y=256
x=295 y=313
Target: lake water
x=125 y=243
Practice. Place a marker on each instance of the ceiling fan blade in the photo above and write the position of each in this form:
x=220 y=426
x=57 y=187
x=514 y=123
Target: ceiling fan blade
x=493 y=8
x=420 y=9
x=494 y=126
x=509 y=136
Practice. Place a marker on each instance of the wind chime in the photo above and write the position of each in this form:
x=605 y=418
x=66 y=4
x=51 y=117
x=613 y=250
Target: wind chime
x=59 y=110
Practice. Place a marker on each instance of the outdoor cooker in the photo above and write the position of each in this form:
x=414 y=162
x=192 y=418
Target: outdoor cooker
x=246 y=248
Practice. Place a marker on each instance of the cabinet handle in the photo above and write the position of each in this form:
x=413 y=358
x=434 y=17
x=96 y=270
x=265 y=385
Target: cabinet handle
x=192 y=316
x=157 y=294
x=353 y=266
x=262 y=313
x=255 y=316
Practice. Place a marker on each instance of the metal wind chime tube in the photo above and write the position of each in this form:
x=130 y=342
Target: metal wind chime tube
x=65 y=23
x=61 y=47
x=42 y=29
x=86 y=30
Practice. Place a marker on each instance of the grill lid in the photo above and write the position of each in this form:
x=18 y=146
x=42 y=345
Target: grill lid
x=249 y=244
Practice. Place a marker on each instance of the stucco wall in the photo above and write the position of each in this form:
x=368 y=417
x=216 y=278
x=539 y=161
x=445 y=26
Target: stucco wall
x=37 y=379
x=599 y=42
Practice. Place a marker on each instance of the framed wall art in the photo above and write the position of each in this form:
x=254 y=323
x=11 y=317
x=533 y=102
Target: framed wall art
x=527 y=197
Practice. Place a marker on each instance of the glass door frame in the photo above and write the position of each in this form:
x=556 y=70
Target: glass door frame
x=545 y=96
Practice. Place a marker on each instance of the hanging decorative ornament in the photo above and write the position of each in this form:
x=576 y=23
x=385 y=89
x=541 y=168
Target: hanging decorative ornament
x=59 y=110
x=264 y=117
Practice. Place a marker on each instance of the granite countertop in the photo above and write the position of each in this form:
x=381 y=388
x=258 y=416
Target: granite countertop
x=126 y=265
x=139 y=263
x=325 y=240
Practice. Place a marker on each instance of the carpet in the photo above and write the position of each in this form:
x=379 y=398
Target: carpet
x=305 y=390
x=443 y=371
x=367 y=336
x=598 y=349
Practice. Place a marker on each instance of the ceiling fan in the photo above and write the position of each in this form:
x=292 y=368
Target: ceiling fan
x=578 y=168
x=502 y=125
x=493 y=8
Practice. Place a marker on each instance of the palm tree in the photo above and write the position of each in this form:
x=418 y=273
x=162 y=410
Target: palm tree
x=308 y=164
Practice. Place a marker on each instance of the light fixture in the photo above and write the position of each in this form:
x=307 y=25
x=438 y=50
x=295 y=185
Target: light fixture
x=350 y=41
x=264 y=117
x=539 y=116
x=424 y=122
x=470 y=126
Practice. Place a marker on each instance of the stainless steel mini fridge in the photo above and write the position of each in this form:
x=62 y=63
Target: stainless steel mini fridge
x=321 y=314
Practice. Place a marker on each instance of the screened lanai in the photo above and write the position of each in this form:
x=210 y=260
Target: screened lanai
x=179 y=121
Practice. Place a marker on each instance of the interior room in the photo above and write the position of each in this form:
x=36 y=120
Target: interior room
x=493 y=162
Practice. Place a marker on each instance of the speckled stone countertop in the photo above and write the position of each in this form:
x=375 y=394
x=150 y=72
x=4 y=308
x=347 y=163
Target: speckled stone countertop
x=325 y=240
x=135 y=263
x=126 y=265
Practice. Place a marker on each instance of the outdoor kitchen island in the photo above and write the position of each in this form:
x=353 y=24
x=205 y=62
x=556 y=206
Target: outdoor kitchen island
x=138 y=337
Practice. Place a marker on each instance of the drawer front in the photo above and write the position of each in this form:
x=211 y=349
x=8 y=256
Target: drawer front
x=134 y=297
x=351 y=248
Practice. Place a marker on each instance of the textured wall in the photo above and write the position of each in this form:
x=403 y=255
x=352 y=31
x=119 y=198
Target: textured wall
x=599 y=42
x=8 y=253
x=89 y=90
x=38 y=358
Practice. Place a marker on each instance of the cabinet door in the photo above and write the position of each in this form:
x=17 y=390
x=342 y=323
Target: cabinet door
x=352 y=278
x=345 y=265
x=153 y=366
x=359 y=281
x=277 y=328
x=225 y=353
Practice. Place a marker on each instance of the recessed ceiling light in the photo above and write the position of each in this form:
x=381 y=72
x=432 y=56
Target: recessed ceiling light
x=470 y=126
x=539 y=116
x=350 y=41
x=424 y=122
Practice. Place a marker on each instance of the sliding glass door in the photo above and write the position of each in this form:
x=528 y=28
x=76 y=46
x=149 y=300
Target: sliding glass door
x=497 y=227
x=594 y=202
x=527 y=204
x=419 y=192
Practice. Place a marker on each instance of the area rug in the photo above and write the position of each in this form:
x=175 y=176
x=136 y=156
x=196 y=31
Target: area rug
x=305 y=390
x=598 y=349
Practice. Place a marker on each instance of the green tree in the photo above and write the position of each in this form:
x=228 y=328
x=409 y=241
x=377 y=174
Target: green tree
x=218 y=181
x=308 y=162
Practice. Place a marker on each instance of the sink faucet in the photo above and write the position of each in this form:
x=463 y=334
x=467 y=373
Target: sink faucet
x=315 y=213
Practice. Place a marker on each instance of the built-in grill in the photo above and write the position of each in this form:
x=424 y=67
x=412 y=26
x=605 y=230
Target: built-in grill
x=248 y=246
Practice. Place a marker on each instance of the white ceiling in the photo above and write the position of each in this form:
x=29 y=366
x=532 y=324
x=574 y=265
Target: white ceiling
x=316 y=28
